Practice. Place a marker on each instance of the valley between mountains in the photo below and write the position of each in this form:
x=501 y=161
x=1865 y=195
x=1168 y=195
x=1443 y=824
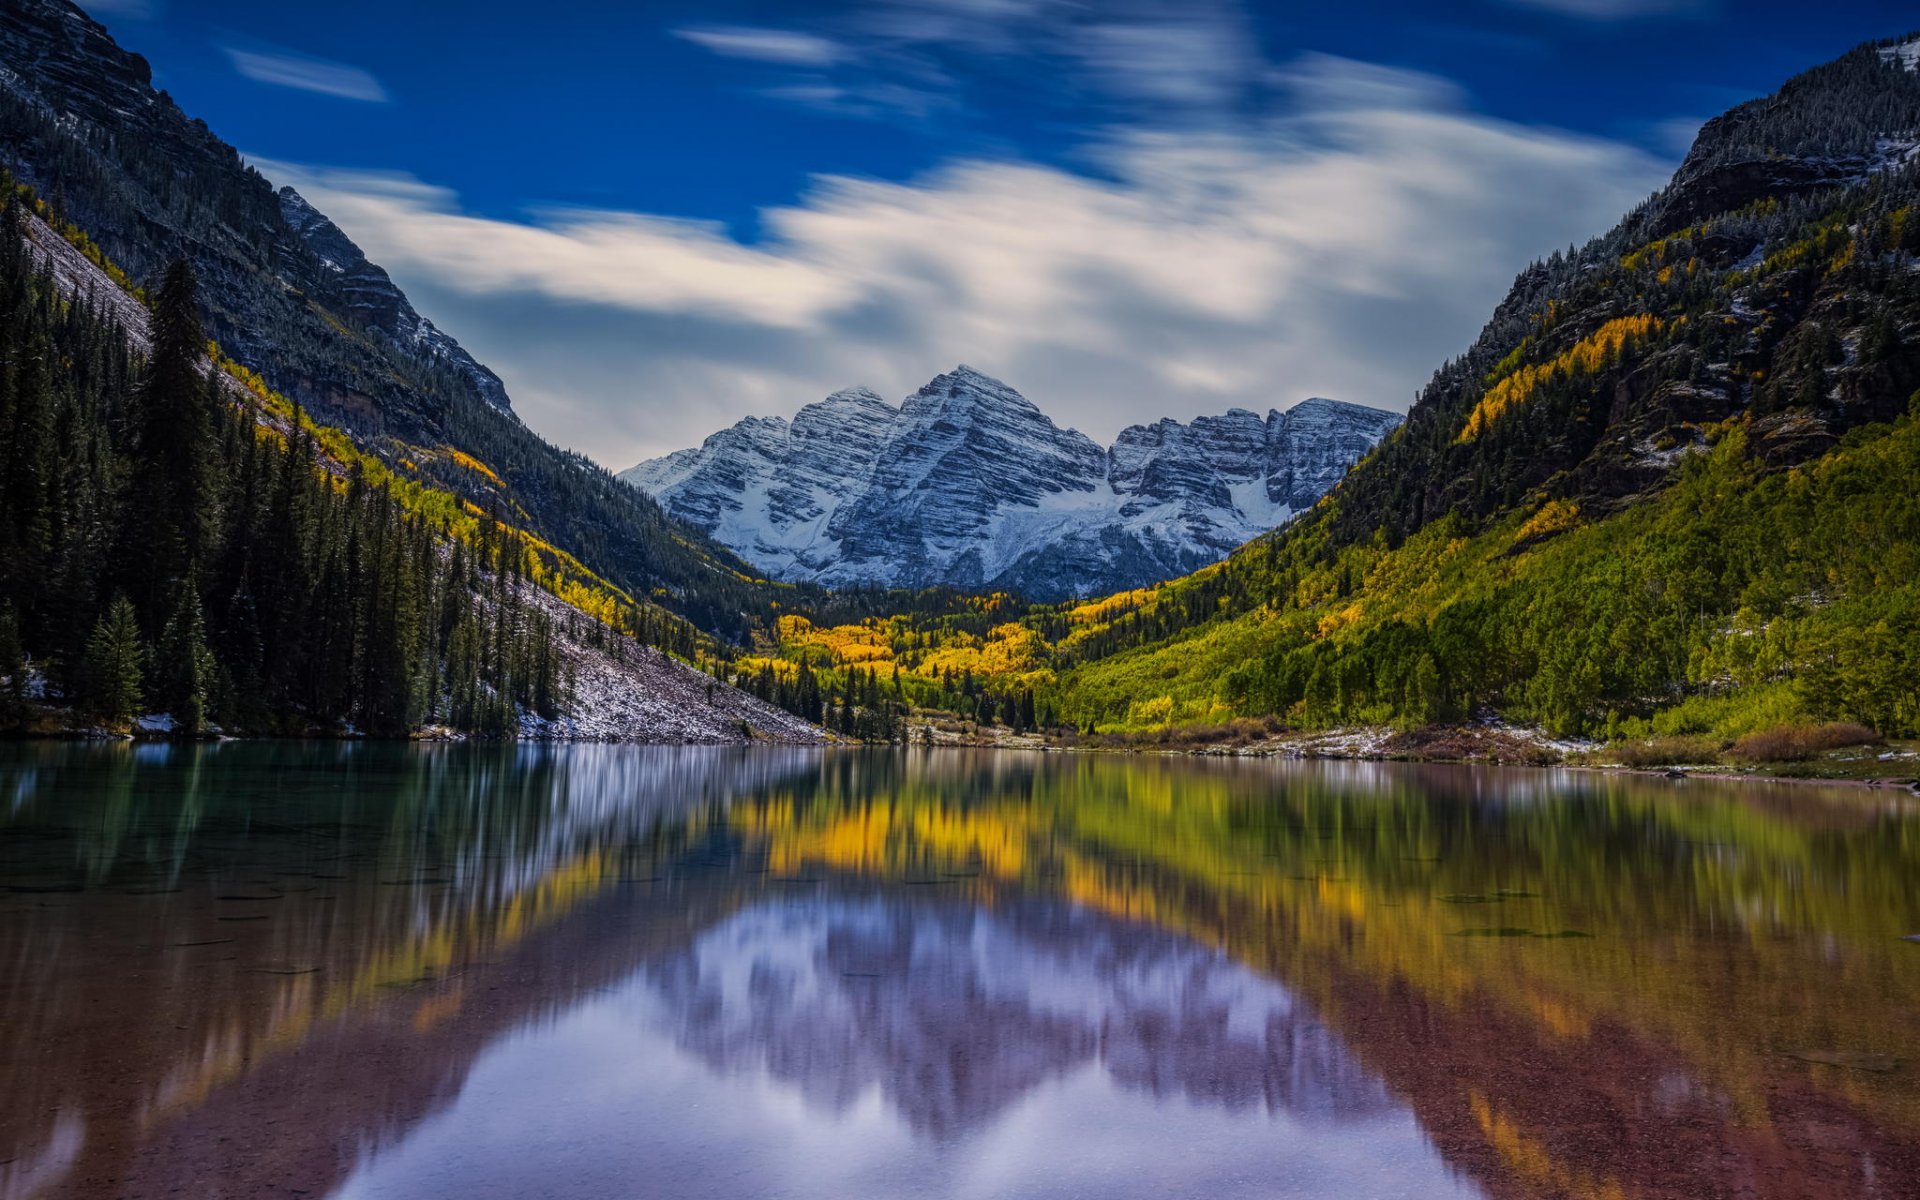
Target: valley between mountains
x=1661 y=510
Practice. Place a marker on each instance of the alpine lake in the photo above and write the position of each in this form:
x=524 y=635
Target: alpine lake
x=583 y=972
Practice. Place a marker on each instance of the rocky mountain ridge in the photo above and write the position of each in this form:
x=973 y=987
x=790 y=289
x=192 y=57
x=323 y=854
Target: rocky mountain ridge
x=969 y=484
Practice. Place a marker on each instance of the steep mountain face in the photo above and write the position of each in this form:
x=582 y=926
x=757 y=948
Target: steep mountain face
x=290 y=296
x=1701 y=305
x=969 y=484
x=266 y=613
x=368 y=293
x=1664 y=490
x=770 y=484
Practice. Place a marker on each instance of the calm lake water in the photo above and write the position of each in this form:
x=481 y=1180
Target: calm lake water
x=475 y=972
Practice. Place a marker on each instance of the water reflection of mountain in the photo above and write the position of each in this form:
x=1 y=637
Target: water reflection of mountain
x=947 y=937
x=955 y=1012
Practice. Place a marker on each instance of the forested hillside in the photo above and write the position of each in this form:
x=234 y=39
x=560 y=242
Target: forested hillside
x=290 y=298
x=168 y=550
x=1670 y=487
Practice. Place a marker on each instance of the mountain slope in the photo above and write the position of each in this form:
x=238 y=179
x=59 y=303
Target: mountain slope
x=969 y=485
x=1670 y=486
x=289 y=296
x=312 y=601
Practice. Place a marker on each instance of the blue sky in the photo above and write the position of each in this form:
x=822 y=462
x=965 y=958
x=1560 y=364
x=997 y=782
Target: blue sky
x=653 y=218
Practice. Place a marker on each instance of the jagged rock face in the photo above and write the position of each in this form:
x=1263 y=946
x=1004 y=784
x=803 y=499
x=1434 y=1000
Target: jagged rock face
x=964 y=450
x=368 y=293
x=969 y=484
x=263 y=257
x=770 y=486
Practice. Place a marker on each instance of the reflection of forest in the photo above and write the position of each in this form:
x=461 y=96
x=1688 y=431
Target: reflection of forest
x=269 y=957
x=449 y=896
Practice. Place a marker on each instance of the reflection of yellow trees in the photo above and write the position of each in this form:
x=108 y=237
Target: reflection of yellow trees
x=891 y=836
x=1530 y=1159
x=1689 y=902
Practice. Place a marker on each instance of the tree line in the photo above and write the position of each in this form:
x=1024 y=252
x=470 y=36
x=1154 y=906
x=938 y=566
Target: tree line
x=165 y=550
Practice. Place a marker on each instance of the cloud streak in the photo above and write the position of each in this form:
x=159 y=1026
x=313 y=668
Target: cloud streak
x=308 y=74
x=782 y=46
x=1345 y=249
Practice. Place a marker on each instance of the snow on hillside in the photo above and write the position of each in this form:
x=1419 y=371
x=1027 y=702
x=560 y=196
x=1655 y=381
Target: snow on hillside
x=635 y=693
x=1907 y=54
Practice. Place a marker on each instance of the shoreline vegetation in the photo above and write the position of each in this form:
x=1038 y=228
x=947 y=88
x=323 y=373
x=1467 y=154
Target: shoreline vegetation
x=1832 y=753
x=1835 y=753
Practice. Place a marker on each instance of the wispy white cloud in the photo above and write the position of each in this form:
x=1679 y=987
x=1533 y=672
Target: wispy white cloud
x=1204 y=59
x=783 y=46
x=307 y=74
x=1344 y=249
x=867 y=100
x=1188 y=55
x=1675 y=135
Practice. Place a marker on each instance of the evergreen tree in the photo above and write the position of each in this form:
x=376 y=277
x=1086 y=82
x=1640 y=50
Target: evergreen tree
x=184 y=669
x=13 y=661
x=171 y=496
x=113 y=670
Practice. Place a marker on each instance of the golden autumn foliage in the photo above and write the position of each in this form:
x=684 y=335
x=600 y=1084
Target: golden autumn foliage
x=861 y=645
x=1095 y=612
x=547 y=566
x=1585 y=357
x=1007 y=650
x=1555 y=516
x=461 y=458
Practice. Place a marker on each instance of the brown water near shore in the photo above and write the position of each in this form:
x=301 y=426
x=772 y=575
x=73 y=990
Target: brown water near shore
x=472 y=971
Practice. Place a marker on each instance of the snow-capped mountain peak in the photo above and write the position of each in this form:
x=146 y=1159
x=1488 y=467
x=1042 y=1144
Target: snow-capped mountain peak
x=969 y=483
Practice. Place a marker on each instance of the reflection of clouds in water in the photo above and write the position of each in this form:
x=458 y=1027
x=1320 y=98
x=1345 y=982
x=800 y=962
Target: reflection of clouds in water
x=38 y=1169
x=955 y=1013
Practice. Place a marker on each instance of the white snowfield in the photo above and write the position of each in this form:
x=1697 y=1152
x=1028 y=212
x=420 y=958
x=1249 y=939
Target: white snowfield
x=968 y=483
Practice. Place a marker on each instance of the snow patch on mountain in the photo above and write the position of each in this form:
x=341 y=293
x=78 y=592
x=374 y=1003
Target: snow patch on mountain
x=968 y=483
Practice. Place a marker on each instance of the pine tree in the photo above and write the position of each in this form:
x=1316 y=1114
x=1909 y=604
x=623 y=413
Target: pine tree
x=171 y=496
x=184 y=668
x=13 y=659
x=112 y=668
